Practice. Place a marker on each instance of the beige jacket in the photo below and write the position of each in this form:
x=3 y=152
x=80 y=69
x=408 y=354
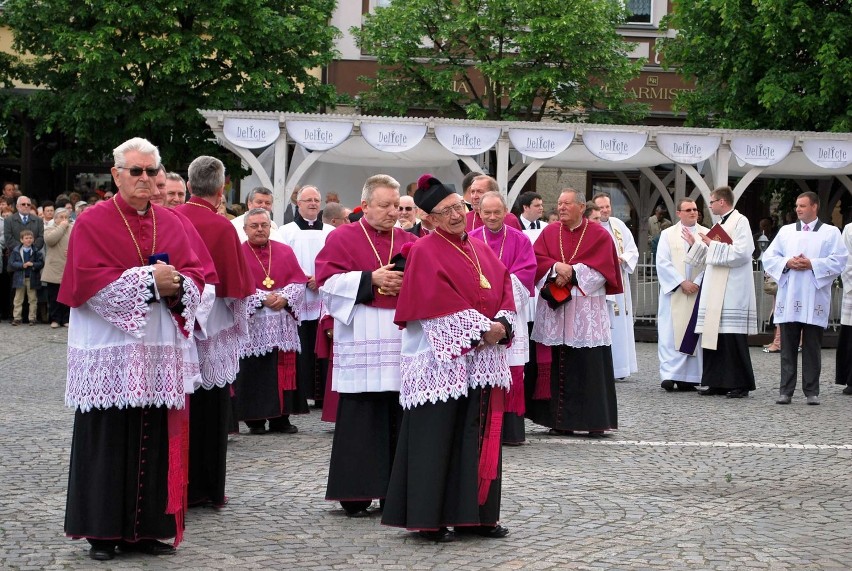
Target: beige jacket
x=56 y=247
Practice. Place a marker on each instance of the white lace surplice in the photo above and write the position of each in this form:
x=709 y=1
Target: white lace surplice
x=582 y=322
x=438 y=363
x=125 y=352
x=269 y=329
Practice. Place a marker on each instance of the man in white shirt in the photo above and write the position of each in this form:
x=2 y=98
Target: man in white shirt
x=804 y=258
x=259 y=197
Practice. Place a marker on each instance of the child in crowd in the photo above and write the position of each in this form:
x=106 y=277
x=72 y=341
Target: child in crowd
x=25 y=264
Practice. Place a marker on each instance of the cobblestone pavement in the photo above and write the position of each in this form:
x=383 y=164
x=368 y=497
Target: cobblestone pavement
x=687 y=482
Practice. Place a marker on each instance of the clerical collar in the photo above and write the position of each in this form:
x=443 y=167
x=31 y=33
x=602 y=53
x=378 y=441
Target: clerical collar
x=305 y=224
x=725 y=216
x=494 y=232
x=453 y=237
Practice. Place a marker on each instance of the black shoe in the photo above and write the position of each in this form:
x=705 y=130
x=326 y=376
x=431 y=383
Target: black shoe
x=147 y=546
x=487 y=531
x=686 y=387
x=286 y=429
x=559 y=432
x=847 y=390
x=737 y=394
x=358 y=513
x=102 y=553
x=442 y=535
x=258 y=430
x=668 y=384
x=712 y=392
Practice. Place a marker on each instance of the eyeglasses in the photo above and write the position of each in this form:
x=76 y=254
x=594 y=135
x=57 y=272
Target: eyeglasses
x=137 y=171
x=458 y=208
x=716 y=200
x=310 y=200
x=688 y=210
x=25 y=204
x=264 y=226
x=406 y=208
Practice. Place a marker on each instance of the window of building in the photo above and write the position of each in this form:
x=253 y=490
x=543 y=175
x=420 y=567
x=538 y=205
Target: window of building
x=640 y=11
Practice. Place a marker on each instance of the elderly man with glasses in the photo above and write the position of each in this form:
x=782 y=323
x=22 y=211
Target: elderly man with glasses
x=457 y=307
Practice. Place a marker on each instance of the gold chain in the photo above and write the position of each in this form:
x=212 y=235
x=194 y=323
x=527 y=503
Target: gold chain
x=580 y=241
x=135 y=243
x=502 y=243
x=268 y=282
x=376 y=252
x=483 y=281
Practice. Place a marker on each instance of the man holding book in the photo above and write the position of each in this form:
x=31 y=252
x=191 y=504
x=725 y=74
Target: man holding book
x=727 y=311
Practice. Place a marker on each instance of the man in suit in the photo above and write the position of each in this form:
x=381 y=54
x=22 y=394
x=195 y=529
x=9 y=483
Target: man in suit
x=23 y=219
x=533 y=209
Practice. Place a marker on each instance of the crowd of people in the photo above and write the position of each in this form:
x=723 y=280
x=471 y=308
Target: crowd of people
x=427 y=325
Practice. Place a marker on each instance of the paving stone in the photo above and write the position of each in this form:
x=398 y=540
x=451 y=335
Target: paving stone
x=687 y=482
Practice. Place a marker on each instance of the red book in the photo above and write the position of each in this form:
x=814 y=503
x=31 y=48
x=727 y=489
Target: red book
x=718 y=233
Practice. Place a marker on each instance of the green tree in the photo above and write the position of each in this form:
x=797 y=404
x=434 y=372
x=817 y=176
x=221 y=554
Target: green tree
x=500 y=59
x=113 y=69
x=780 y=64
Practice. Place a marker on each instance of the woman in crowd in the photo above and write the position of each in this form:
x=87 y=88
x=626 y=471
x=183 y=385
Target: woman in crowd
x=56 y=244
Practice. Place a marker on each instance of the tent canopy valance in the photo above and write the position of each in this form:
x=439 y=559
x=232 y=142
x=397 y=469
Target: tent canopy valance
x=337 y=152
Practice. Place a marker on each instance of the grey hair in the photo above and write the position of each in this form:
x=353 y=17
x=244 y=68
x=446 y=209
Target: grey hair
x=306 y=187
x=579 y=197
x=258 y=190
x=206 y=176
x=137 y=144
x=255 y=212
x=61 y=212
x=376 y=181
x=177 y=177
x=492 y=183
x=331 y=211
x=493 y=194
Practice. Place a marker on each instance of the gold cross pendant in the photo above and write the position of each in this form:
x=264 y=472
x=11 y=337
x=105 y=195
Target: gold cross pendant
x=268 y=282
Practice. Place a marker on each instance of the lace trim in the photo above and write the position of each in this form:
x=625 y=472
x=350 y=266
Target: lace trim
x=191 y=300
x=452 y=335
x=509 y=315
x=219 y=357
x=122 y=376
x=133 y=289
x=489 y=366
x=425 y=379
x=295 y=294
x=270 y=331
x=582 y=322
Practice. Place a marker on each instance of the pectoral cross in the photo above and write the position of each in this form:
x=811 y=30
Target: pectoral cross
x=268 y=282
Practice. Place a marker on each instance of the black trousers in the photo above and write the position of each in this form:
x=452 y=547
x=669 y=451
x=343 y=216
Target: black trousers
x=811 y=336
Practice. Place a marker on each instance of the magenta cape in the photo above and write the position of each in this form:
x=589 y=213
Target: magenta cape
x=518 y=255
x=347 y=249
x=474 y=221
x=101 y=248
x=440 y=281
x=223 y=244
x=597 y=250
x=210 y=275
x=285 y=266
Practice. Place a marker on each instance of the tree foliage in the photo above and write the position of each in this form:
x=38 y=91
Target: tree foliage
x=780 y=64
x=113 y=69
x=500 y=59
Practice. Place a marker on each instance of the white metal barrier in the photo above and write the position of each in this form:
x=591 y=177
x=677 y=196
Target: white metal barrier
x=645 y=288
